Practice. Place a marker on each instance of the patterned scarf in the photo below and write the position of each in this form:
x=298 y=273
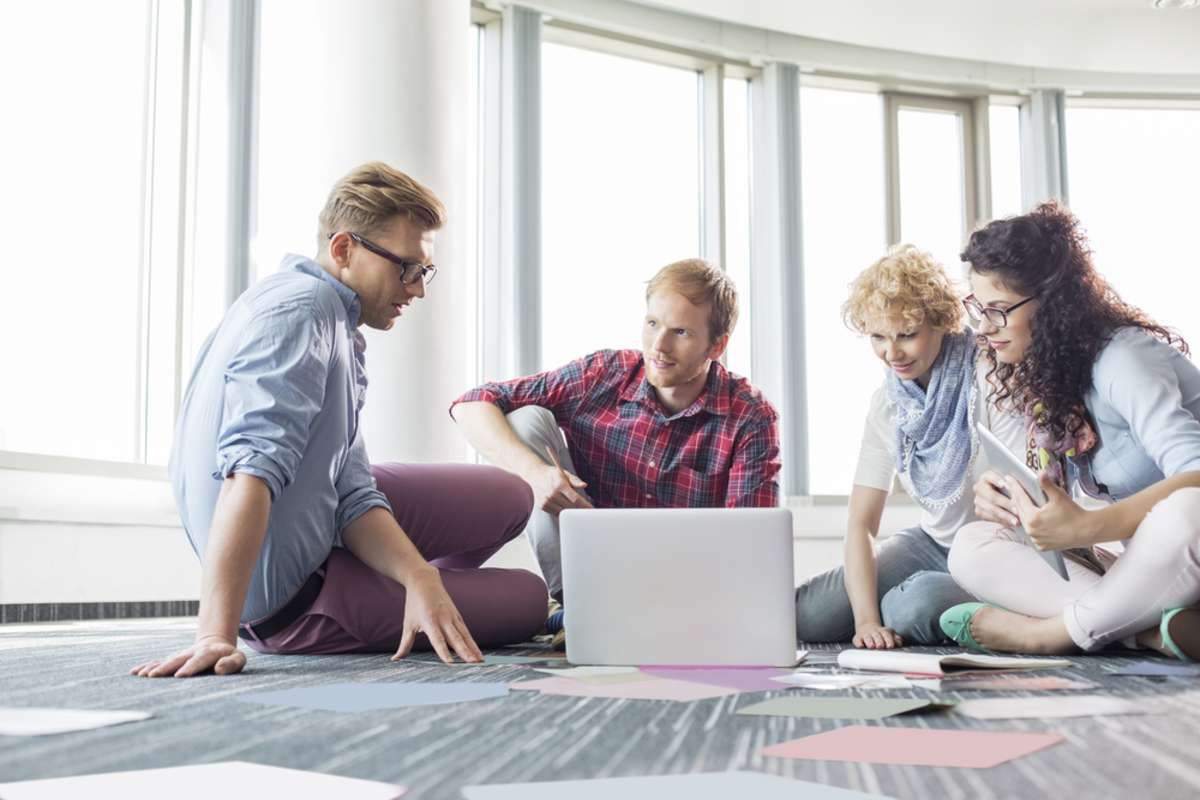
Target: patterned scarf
x=935 y=427
x=1044 y=453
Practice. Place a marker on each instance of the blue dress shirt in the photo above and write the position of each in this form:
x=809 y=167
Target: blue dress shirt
x=276 y=393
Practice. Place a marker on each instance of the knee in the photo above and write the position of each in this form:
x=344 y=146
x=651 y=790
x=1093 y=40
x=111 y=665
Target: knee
x=913 y=608
x=534 y=425
x=528 y=596
x=970 y=543
x=509 y=496
x=1174 y=526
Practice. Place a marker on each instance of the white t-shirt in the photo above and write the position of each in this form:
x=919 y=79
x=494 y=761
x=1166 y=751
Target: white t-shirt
x=877 y=456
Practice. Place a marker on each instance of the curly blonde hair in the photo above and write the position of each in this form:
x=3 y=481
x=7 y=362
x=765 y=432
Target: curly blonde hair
x=905 y=285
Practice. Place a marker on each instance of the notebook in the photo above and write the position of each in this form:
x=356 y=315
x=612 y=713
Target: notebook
x=935 y=664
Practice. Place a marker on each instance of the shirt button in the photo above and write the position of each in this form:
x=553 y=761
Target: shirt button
x=652 y=463
x=649 y=496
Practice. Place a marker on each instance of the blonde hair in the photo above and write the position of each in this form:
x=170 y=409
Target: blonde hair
x=371 y=195
x=701 y=283
x=906 y=285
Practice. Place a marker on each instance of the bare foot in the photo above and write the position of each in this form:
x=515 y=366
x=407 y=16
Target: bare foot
x=997 y=629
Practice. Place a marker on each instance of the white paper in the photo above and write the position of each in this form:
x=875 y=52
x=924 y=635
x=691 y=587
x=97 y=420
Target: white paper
x=588 y=672
x=46 y=721
x=832 y=680
x=204 y=782
x=934 y=664
x=1090 y=705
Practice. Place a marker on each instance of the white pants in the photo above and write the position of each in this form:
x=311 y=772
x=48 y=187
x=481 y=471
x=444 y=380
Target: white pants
x=1159 y=570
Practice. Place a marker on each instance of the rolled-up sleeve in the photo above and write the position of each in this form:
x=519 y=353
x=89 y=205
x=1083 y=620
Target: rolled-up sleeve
x=1136 y=375
x=274 y=387
x=357 y=492
x=559 y=390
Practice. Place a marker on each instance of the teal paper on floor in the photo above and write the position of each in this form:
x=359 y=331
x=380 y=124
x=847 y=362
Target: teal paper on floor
x=372 y=696
x=696 y=786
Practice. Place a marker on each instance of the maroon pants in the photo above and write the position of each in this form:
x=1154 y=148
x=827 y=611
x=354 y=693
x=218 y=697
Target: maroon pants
x=457 y=515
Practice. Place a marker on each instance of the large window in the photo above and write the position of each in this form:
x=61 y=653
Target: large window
x=1004 y=126
x=91 y=201
x=842 y=173
x=620 y=193
x=1133 y=174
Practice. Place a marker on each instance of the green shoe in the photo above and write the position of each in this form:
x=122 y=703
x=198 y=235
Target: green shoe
x=956 y=623
x=1184 y=640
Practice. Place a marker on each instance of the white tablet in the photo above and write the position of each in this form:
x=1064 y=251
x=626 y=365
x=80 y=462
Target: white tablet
x=1002 y=460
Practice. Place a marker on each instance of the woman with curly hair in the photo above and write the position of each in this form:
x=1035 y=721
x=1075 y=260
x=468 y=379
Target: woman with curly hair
x=921 y=425
x=1113 y=405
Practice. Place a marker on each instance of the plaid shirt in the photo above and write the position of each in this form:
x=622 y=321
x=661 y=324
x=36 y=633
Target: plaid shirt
x=722 y=450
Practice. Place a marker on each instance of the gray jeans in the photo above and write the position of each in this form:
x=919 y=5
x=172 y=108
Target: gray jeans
x=537 y=428
x=911 y=578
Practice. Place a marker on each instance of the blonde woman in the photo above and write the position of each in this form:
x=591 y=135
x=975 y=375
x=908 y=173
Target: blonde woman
x=920 y=426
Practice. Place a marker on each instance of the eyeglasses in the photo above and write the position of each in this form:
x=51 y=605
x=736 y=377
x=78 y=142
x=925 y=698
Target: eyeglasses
x=411 y=271
x=977 y=312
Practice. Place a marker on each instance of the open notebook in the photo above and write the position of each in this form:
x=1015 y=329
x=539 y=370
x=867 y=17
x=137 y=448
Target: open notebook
x=934 y=664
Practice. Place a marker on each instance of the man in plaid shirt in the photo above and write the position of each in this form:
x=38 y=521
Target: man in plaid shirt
x=667 y=427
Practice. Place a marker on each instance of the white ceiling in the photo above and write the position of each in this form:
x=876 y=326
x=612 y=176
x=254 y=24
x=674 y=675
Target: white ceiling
x=1096 y=35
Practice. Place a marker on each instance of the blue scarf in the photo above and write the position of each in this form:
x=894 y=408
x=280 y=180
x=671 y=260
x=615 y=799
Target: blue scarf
x=935 y=428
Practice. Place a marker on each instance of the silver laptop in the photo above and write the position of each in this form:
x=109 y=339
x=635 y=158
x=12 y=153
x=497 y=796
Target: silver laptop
x=679 y=586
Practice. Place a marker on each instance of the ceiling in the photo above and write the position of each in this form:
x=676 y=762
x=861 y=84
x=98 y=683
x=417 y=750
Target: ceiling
x=1096 y=35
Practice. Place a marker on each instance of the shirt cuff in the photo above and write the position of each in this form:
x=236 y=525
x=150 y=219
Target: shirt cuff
x=482 y=395
x=357 y=503
x=250 y=463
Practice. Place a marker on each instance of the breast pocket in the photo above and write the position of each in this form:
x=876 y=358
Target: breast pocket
x=691 y=488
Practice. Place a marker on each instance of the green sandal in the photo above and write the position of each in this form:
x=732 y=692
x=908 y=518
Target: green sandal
x=1184 y=642
x=956 y=623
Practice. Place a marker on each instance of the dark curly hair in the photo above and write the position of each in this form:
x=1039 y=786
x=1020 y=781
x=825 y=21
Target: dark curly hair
x=1045 y=254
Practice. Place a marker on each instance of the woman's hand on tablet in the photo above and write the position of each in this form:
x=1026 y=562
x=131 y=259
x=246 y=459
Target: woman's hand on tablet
x=992 y=503
x=1059 y=524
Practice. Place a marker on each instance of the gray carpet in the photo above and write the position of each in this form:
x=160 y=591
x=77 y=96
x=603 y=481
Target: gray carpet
x=528 y=737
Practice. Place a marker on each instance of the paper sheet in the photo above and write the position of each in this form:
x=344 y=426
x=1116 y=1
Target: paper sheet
x=371 y=696
x=599 y=674
x=47 y=721
x=835 y=680
x=915 y=746
x=696 y=786
x=838 y=707
x=656 y=689
x=204 y=782
x=756 y=679
x=1161 y=669
x=1016 y=683
x=1087 y=705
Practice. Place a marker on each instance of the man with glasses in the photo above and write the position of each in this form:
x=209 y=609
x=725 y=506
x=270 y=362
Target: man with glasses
x=666 y=426
x=305 y=547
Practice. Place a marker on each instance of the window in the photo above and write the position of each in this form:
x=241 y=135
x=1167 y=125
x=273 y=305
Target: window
x=620 y=193
x=737 y=216
x=92 y=202
x=843 y=198
x=929 y=173
x=1139 y=209
x=1004 y=126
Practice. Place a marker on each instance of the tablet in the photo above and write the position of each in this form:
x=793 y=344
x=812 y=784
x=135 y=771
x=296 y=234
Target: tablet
x=1002 y=460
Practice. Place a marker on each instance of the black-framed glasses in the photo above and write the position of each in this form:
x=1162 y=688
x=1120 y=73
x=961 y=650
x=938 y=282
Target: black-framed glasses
x=977 y=312
x=411 y=271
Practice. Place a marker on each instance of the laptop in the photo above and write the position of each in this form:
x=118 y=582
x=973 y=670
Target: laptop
x=679 y=586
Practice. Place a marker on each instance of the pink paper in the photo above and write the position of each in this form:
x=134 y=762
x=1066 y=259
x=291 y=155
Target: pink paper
x=1038 y=683
x=659 y=689
x=757 y=679
x=916 y=746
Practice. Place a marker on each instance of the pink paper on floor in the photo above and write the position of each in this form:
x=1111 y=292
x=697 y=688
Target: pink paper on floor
x=915 y=746
x=757 y=679
x=657 y=689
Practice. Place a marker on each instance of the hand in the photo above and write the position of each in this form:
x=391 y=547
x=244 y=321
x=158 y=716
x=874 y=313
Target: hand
x=214 y=653
x=1059 y=524
x=991 y=501
x=874 y=636
x=554 y=490
x=428 y=609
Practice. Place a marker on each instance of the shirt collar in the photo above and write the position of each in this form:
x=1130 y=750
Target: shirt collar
x=714 y=398
x=294 y=263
